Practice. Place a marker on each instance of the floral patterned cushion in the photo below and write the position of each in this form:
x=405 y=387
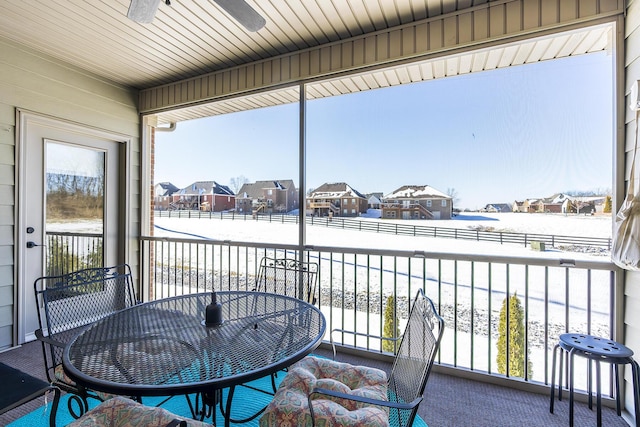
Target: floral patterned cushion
x=123 y=412
x=290 y=407
x=62 y=377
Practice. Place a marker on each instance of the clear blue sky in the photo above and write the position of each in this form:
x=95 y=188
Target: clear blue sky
x=495 y=137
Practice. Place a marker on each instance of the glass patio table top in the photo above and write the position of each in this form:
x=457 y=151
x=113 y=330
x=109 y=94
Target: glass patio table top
x=163 y=347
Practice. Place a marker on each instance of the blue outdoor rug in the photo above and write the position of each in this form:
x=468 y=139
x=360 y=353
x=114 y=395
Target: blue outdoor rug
x=246 y=402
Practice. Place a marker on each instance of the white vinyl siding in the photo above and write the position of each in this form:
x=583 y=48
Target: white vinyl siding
x=631 y=296
x=7 y=277
x=58 y=90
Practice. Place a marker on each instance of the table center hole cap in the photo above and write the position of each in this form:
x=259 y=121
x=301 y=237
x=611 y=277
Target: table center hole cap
x=213 y=312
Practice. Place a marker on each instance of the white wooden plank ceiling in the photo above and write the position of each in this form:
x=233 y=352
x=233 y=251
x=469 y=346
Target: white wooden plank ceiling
x=195 y=37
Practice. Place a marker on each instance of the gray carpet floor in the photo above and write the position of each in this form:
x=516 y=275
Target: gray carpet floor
x=449 y=400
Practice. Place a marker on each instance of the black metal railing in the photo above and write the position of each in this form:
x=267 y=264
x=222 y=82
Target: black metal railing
x=556 y=295
x=67 y=252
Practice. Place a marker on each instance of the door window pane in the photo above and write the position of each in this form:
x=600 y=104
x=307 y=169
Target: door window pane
x=74 y=206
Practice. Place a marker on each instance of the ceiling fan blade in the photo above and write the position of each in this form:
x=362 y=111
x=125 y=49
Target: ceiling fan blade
x=243 y=13
x=143 y=11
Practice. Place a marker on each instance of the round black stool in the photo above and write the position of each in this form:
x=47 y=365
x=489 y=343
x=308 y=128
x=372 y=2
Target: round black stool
x=599 y=350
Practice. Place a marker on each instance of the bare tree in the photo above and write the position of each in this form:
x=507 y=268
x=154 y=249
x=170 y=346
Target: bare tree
x=237 y=183
x=453 y=193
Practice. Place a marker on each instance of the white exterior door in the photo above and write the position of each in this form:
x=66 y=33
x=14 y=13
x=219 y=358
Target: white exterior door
x=68 y=205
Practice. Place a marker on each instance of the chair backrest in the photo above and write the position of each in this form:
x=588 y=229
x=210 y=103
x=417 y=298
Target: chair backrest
x=288 y=277
x=415 y=357
x=69 y=302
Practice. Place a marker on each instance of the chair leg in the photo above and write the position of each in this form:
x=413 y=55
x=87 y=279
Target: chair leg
x=598 y=395
x=553 y=377
x=571 y=370
x=635 y=369
x=616 y=373
x=54 y=405
x=589 y=387
x=82 y=403
x=563 y=363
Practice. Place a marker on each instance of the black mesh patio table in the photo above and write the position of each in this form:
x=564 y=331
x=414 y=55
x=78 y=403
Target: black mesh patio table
x=163 y=348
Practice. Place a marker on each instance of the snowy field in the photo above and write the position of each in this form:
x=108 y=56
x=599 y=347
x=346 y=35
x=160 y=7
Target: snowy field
x=558 y=224
x=265 y=232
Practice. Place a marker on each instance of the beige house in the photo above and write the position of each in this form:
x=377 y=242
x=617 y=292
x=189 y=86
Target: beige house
x=521 y=206
x=560 y=203
x=498 y=208
x=80 y=76
x=162 y=195
x=267 y=197
x=207 y=196
x=336 y=199
x=417 y=202
x=374 y=200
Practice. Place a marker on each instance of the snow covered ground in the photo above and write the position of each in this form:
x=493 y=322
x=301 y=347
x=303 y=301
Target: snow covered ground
x=557 y=224
x=274 y=232
x=552 y=224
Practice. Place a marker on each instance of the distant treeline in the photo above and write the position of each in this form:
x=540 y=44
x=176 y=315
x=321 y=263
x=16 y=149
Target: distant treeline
x=74 y=196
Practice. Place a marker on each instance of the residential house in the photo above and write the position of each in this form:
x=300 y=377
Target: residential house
x=521 y=206
x=374 y=200
x=588 y=204
x=336 y=199
x=206 y=196
x=557 y=203
x=417 y=202
x=535 y=205
x=498 y=207
x=267 y=197
x=162 y=193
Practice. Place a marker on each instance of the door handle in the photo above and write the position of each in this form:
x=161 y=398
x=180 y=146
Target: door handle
x=32 y=245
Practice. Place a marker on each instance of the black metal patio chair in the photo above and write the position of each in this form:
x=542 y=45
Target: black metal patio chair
x=66 y=304
x=283 y=276
x=289 y=277
x=300 y=401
